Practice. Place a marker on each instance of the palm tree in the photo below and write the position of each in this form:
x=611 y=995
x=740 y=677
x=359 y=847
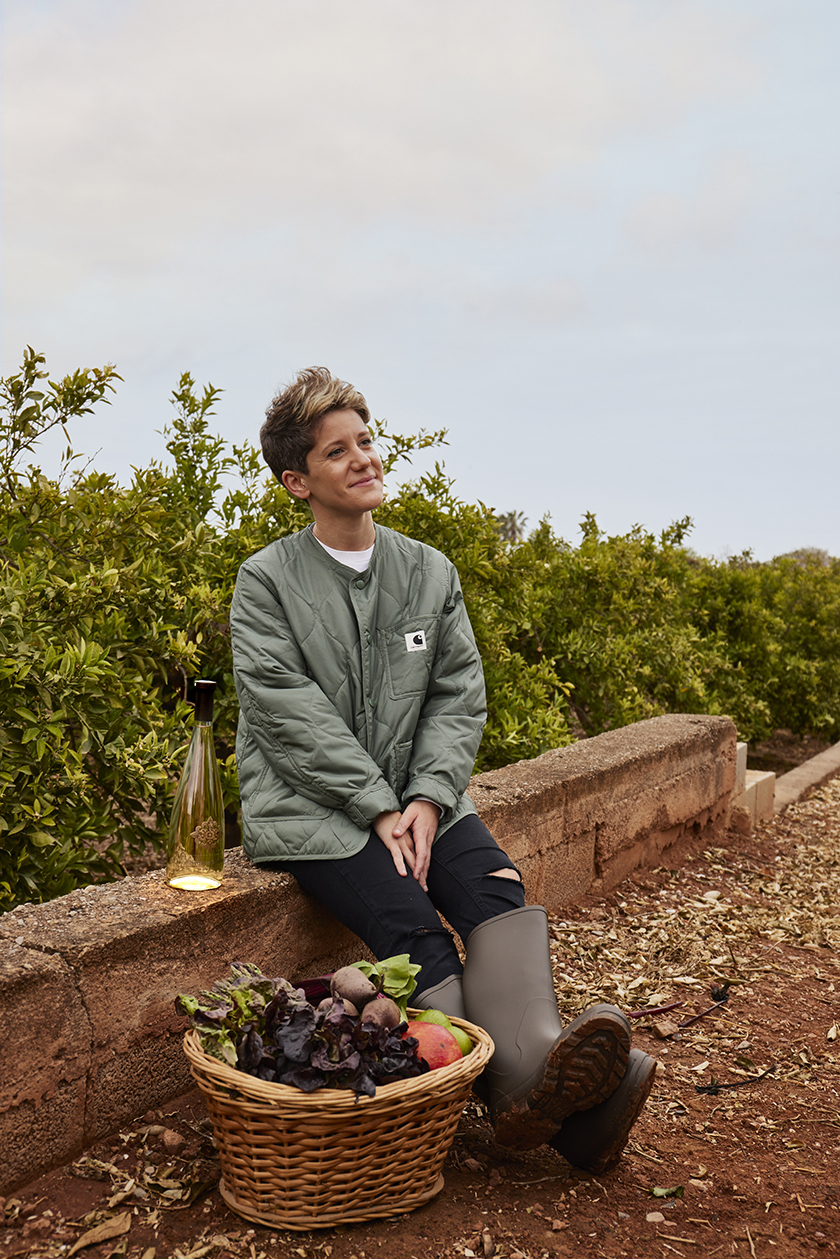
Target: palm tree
x=511 y=525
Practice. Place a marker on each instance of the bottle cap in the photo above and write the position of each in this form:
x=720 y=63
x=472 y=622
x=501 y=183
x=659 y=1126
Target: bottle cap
x=204 y=699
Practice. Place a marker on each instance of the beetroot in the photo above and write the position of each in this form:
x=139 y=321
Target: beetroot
x=381 y=1012
x=352 y=985
x=325 y=1006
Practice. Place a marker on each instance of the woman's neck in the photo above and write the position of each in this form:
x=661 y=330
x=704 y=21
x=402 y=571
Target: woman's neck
x=346 y=535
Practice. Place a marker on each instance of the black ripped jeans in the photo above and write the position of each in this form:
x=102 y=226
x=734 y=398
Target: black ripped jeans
x=392 y=913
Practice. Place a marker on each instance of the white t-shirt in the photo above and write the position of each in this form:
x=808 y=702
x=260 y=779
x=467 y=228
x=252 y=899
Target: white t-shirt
x=359 y=560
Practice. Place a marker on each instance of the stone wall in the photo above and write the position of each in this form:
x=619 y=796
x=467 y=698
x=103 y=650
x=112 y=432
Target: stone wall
x=88 y=981
x=580 y=818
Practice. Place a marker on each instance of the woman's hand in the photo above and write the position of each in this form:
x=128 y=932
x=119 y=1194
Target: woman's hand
x=408 y=837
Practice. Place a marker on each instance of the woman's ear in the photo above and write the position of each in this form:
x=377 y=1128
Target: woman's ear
x=295 y=484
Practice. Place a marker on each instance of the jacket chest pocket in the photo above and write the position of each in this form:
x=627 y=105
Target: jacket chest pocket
x=408 y=650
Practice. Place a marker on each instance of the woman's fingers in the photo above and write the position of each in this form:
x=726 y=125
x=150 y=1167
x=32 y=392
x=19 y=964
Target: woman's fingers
x=408 y=836
x=384 y=826
x=423 y=854
x=398 y=858
x=420 y=821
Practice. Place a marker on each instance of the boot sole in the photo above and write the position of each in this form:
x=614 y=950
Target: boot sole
x=575 y=1141
x=585 y=1066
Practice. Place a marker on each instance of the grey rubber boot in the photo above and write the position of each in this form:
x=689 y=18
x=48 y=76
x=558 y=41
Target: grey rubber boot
x=593 y=1139
x=447 y=996
x=540 y=1072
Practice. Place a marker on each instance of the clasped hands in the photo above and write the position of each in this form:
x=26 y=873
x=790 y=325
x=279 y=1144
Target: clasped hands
x=408 y=837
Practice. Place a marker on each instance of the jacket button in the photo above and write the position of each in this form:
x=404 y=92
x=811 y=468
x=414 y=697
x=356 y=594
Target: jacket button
x=372 y=703
x=359 y=584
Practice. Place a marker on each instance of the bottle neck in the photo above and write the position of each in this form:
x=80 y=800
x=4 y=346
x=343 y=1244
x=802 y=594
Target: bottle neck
x=204 y=701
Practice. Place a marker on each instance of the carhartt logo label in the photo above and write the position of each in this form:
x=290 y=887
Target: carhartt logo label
x=415 y=641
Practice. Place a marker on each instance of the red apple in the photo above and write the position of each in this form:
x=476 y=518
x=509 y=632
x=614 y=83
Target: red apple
x=436 y=1044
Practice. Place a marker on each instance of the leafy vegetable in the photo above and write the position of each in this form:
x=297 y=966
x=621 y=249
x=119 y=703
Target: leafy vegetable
x=267 y=1028
x=221 y=1013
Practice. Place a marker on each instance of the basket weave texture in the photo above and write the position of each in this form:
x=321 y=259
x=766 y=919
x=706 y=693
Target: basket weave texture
x=313 y=1160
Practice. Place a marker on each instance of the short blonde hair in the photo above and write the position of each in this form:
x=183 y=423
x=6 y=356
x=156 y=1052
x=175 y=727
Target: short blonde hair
x=294 y=416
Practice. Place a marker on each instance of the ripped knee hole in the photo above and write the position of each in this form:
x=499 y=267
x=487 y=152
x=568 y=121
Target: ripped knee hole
x=506 y=873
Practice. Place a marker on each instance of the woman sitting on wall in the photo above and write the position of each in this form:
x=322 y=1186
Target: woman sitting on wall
x=362 y=707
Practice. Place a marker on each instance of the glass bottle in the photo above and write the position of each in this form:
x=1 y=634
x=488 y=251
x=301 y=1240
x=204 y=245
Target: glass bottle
x=196 y=850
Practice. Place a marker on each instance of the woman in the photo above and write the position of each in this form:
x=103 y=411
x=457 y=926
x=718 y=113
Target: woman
x=362 y=707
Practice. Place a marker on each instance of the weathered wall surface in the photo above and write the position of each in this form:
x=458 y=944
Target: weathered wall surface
x=88 y=981
x=579 y=819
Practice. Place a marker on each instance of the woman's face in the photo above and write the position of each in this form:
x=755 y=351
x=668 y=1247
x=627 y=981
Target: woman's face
x=344 y=473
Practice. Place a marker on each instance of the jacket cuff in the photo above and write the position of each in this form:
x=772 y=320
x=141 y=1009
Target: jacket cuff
x=427 y=799
x=435 y=791
x=367 y=807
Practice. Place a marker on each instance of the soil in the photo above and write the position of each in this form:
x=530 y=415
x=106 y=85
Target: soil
x=784 y=751
x=747 y=1170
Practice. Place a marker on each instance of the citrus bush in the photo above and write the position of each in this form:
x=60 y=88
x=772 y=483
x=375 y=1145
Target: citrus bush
x=617 y=616
x=103 y=605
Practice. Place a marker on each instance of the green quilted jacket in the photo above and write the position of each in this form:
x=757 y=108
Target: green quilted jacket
x=357 y=692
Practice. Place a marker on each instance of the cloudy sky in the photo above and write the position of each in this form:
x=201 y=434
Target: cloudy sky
x=595 y=239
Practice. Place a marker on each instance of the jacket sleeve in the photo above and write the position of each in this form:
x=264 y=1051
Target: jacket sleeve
x=295 y=725
x=451 y=723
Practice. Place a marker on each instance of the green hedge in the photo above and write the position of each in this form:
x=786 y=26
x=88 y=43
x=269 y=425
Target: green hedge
x=113 y=596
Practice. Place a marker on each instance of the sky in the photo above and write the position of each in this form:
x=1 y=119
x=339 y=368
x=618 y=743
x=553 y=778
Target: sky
x=596 y=240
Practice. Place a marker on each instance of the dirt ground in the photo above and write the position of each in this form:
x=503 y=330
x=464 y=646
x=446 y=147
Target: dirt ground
x=783 y=751
x=750 y=1169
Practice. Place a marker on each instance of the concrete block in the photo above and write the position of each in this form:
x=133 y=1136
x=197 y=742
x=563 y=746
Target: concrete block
x=655 y=778
x=45 y=1032
x=568 y=871
x=763 y=787
x=139 y=1076
x=660 y=808
x=136 y=944
x=794 y=786
x=97 y=1009
x=531 y=870
x=35 y=1137
x=746 y=800
x=740 y=768
x=644 y=792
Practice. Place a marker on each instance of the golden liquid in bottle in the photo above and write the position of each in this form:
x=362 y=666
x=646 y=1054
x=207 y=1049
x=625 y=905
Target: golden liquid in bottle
x=195 y=852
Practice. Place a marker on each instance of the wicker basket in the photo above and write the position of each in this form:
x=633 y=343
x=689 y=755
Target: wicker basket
x=313 y=1160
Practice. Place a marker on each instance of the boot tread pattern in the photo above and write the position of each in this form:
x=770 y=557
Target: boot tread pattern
x=581 y=1075
x=584 y=1068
